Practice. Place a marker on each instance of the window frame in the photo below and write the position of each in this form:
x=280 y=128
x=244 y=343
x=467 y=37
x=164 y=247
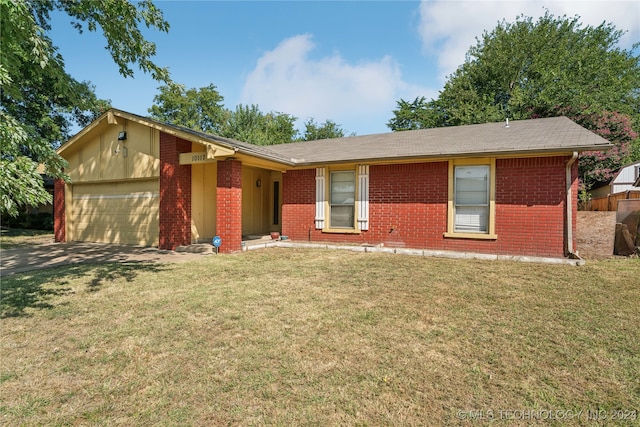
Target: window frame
x=328 y=226
x=490 y=234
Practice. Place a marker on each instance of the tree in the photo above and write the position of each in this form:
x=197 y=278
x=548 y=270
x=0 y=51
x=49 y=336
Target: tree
x=600 y=167
x=528 y=68
x=249 y=124
x=419 y=114
x=547 y=68
x=197 y=109
x=202 y=109
x=40 y=101
x=328 y=129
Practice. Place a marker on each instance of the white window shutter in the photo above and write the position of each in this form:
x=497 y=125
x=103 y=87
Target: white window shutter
x=363 y=197
x=320 y=192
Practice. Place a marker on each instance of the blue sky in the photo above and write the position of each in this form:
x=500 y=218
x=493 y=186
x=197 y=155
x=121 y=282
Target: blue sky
x=347 y=61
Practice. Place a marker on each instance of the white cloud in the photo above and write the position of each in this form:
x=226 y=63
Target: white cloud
x=449 y=28
x=286 y=79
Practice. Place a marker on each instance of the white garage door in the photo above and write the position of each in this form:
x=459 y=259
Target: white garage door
x=116 y=212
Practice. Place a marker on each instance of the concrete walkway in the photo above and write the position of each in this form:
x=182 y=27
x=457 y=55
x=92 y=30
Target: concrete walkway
x=413 y=252
x=22 y=259
x=48 y=255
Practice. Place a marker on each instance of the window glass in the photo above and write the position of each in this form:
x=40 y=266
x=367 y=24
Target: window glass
x=471 y=199
x=276 y=202
x=342 y=199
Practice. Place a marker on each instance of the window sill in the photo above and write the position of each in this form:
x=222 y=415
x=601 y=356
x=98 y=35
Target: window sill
x=341 y=230
x=477 y=236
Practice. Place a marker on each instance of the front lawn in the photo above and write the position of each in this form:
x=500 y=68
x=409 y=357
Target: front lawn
x=11 y=238
x=321 y=337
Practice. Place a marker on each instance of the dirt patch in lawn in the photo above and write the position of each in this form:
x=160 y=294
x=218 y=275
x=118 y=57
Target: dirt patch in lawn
x=595 y=234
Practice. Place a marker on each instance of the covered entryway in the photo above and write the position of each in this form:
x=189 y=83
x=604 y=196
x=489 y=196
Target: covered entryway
x=115 y=212
x=203 y=202
x=261 y=196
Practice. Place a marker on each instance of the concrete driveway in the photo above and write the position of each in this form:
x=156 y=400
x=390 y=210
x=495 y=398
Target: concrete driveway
x=22 y=259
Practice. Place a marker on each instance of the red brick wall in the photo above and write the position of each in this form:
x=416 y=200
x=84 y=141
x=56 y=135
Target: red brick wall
x=408 y=208
x=175 y=193
x=59 y=219
x=530 y=206
x=299 y=204
x=229 y=205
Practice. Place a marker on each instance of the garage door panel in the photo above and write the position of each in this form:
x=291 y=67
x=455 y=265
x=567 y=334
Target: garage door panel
x=125 y=213
x=132 y=213
x=136 y=207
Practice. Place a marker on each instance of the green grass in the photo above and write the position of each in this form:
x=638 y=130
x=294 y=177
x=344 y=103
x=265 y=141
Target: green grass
x=318 y=337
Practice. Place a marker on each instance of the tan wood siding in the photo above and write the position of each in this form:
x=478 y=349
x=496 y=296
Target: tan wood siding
x=204 y=179
x=104 y=158
x=256 y=201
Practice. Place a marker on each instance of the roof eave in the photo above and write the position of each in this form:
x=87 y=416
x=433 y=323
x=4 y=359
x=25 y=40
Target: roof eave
x=191 y=136
x=202 y=138
x=446 y=156
x=280 y=160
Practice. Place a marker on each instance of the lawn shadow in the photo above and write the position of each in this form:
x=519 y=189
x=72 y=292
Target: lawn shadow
x=42 y=289
x=12 y=238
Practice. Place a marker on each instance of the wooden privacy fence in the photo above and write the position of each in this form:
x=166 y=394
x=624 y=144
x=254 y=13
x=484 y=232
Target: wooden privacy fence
x=610 y=202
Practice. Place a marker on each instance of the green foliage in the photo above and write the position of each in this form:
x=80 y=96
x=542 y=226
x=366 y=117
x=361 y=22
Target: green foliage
x=197 y=109
x=119 y=21
x=202 y=110
x=40 y=102
x=326 y=130
x=634 y=151
x=249 y=124
x=526 y=68
x=21 y=185
x=418 y=114
x=551 y=67
x=30 y=221
x=532 y=69
x=600 y=167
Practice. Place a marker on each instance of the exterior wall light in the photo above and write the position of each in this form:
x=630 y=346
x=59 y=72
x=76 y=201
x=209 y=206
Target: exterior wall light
x=258 y=183
x=122 y=136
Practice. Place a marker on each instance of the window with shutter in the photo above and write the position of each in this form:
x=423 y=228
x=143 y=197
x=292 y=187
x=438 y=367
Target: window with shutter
x=342 y=199
x=363 y=197
x=340 y=196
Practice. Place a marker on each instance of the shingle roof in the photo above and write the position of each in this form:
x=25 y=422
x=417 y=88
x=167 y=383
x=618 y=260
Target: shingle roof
x=243 y=147
x=549 y=135
x=521 y=137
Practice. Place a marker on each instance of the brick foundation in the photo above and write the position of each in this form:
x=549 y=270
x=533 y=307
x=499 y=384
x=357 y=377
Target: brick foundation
x=229 y=205
x=175 y=193
x=408 y=208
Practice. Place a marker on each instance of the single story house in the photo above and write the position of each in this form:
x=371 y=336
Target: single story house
x=488 y=188
x=626 y=179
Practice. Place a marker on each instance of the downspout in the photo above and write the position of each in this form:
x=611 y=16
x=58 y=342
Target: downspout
x=570 y=249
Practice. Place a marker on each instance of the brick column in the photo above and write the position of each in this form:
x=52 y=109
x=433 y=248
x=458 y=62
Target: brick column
x=175 y=193
x=229 y=205
x=59 y=220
